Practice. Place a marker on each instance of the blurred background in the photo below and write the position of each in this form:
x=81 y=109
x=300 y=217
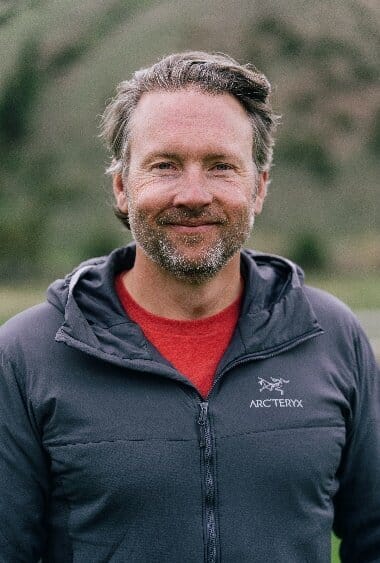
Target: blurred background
x=60 y=62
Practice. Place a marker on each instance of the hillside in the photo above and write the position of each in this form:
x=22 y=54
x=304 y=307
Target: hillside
x=61 y=61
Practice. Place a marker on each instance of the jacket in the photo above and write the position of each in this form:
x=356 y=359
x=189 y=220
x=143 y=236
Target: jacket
x=108 y=454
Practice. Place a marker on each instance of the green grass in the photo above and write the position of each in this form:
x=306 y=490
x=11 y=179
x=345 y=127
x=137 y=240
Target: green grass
x=334 y=550
x=357 y=292
x=16 y=299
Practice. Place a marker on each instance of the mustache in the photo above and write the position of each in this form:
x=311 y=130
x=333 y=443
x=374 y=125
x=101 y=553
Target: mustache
x=183 y=214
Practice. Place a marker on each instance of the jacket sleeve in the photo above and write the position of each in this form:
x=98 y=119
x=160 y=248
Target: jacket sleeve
x=357 y=503
x=23 y=474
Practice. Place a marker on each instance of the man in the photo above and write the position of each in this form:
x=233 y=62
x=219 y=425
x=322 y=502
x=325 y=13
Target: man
x=182 y=400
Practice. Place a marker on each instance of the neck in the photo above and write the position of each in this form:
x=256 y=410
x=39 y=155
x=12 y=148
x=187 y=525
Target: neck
x=162 y=294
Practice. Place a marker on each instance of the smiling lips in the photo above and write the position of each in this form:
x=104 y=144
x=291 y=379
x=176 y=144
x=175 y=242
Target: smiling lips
x=190 y=221
x=192 y=226
x=192 y=229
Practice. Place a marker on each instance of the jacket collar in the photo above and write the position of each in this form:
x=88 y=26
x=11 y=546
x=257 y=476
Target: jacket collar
x=276 y=314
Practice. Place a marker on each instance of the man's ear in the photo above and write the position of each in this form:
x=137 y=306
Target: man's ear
x=261 y=191
x=120 y=192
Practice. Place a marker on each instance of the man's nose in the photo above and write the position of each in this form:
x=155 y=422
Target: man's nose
x=193 y=191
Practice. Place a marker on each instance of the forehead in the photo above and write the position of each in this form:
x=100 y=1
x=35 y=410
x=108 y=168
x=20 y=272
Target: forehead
x=190 y=116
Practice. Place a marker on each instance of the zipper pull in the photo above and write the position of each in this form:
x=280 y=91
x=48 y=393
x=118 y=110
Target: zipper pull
x=203 y=410
x=203 y=407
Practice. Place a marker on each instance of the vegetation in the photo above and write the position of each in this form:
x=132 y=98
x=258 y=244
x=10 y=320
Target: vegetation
x=54 y=81
x=335 y=550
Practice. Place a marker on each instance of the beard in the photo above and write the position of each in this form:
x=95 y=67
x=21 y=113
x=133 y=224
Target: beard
x=197 y=257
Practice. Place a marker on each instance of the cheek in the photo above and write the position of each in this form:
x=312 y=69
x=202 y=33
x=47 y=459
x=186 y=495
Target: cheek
x=236 y=197
x=150 y=189
x=236 y=192
x=149 y=200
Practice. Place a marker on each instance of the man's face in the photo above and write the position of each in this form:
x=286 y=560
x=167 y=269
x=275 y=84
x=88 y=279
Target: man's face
x=191 y=188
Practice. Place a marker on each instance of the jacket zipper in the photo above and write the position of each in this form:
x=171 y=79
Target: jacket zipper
x=206 y=445
x=209 y=482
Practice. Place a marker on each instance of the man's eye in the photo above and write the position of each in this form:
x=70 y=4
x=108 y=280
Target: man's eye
x=164 y=165
x=222 y=166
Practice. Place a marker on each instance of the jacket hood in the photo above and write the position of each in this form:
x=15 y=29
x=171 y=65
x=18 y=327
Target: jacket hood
x=276 y=313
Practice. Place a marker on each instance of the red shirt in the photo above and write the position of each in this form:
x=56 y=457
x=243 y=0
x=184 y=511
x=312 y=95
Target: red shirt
x=195 y=347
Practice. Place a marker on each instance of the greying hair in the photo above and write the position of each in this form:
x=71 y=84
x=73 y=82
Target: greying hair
x=210 y=73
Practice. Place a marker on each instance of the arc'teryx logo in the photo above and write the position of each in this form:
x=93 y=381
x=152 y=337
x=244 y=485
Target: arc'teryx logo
x=275 y=384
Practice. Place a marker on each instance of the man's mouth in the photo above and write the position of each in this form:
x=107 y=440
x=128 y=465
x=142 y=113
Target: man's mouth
x=192 y=229
x=192 y=226
x=195 y=221
x=190 y=221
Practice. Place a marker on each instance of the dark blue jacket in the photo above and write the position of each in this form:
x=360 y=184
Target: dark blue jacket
x=107 y=453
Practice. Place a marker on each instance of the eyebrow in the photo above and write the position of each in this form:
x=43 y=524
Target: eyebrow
x=176 y=157
x=156 y=155
x=223 y=156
